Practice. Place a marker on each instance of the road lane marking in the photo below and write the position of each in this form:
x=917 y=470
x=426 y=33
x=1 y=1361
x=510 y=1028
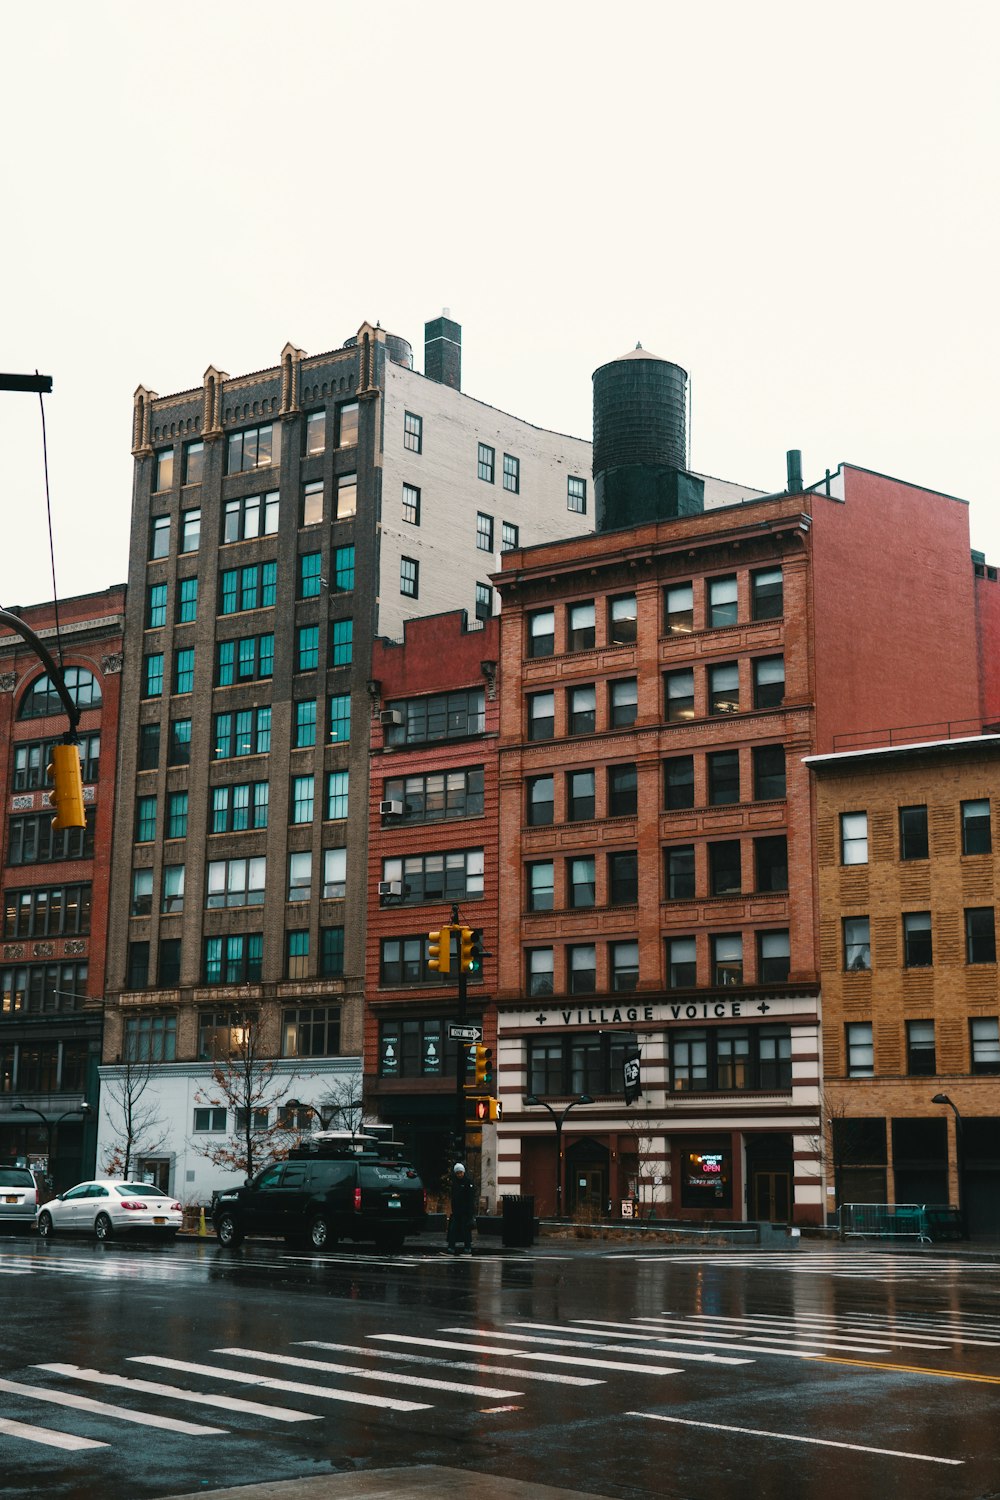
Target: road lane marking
x=272 y=1383
x=46 y=1436
x=793 y=1437
x=864 y=1364
x=105 y=1409
x=453 y=1364
x=651 y=1338
x=180 y=1393
x=833 y=1328
x=323 y=1366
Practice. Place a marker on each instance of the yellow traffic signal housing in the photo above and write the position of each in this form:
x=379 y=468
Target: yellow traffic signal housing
x=66 y=796
x=439 y=950
x=465 y=936
x=479 y=1110
x=484 y=1065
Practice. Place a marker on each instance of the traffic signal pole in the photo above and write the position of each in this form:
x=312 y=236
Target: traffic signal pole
x=462 y=1064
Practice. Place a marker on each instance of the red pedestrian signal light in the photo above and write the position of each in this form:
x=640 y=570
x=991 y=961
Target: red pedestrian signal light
x=66 y=796
x=478 y=1111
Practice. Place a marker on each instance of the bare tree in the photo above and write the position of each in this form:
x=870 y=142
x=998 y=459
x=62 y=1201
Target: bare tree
x=138 y=1129
x=244 y=1083
x=344 y=1105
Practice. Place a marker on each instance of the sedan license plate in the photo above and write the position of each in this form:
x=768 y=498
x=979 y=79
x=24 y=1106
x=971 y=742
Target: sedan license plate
x=394 y=1203
x=159 y=1221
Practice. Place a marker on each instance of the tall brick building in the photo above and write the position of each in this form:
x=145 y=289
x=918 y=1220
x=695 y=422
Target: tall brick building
x=661 y=683
x=908 y=888
x=432 y=843
x=281 y=521
x=55 y=884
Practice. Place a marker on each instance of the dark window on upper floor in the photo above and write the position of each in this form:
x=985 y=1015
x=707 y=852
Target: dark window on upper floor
x=724 y=1058
x=622 y=620
x=249 y=516
x=579 y=796
x=766 y=594
x=440 y=716
x=623 y=791
x=984 y=1042
x=541 y=632
x=623 y=702
x=980 y=935
x=32 y=840
x=771 y=862
x=576 y=495
x=540 y=805
x=484 y=601
x=976 y=834
x=722 y=601
x=484 y=532
x=913 y=833
x=679 y=872
x=437 y=795
x=679 y=695
x=194 y=462
x=725 y=869
x=246 y=732
x=773 y=956
x=413 y=432
x=724 y=688
x=511 y=473
x=47 y=911
x=678 y=782
x=921 y=1059
x=42 y=699
x=32 y=758
x=623 y=878
x=541 y=716
x=768 y=772
x=723 y=777
x=253 y=448
x=678 y=608
x=588 y=1063
x=509 y=537
x=163 y=469
x=580 y=626
x=454 y=875
x=253 y=587
x=917 y=945
x=768 y=681
x=486 y=462
x=347 y=425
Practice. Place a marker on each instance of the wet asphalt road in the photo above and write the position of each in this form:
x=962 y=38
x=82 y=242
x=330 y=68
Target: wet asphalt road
x=828 y=1371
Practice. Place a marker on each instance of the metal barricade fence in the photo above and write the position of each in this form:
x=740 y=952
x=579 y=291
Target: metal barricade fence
x=885 y=1221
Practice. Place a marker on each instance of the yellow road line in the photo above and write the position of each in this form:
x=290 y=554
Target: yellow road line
x=866 y=1364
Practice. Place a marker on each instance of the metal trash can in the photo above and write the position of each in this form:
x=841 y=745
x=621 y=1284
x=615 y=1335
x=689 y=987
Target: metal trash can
x=518 y=1227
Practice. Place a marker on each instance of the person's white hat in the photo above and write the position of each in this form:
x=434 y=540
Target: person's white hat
x=458 y=1167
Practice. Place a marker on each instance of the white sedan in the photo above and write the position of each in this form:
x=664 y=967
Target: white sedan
x=108 y=1207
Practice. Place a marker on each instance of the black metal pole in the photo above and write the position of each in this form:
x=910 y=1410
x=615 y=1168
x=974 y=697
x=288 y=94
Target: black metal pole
x=462 y=1058
x=559 y=1164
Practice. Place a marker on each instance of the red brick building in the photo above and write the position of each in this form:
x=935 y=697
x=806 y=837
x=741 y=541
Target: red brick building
x=661 y=682
x=432 y=842
x=55 y=884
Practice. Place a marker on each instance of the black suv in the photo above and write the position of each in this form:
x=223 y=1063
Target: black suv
x=324 y=1193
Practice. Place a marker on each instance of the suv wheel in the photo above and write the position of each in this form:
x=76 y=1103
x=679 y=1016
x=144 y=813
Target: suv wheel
x=46 y=1228
x=320 y=1235
x=228 y=1231
x=103 y=1227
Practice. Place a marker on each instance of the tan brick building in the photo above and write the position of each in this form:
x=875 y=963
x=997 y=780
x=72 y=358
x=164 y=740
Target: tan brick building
x=908 y=887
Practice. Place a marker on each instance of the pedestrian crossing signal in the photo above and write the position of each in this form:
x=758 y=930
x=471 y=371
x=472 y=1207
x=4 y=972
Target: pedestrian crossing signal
x=479 y=1110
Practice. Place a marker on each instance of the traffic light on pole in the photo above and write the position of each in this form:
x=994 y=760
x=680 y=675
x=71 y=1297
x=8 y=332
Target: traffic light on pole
x=484 y=1065
x=471 y=950
x=439 y=950
x=66 y=796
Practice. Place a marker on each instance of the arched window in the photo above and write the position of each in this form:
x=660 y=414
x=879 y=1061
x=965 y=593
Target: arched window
x=42 y=700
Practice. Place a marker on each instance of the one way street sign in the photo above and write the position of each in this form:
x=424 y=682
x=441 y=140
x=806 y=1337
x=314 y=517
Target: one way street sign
x=460 y=1033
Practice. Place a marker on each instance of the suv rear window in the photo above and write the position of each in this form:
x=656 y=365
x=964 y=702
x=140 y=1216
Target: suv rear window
x=16 y=1177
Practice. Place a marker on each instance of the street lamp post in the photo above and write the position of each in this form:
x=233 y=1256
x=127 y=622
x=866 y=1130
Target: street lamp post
x=51 y=1126
x=959 y=1159
x=559 y=1117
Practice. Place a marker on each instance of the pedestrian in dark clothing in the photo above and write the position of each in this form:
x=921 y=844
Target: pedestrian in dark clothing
x=463 y=1210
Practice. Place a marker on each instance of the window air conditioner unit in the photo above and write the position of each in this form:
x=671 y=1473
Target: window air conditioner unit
x=390 y=887
x=391 y=808
x=390 y=716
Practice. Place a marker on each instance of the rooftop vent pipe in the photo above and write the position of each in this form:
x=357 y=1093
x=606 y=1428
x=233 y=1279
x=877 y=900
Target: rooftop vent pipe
x=793 y=467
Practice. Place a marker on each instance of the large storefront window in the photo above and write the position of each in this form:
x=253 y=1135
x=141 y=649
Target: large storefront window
x=417 y=1048
x=707 y=1177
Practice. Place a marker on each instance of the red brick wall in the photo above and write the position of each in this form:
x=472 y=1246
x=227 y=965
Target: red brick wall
x=893 y=610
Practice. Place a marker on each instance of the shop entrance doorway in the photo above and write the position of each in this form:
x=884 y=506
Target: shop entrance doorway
x=586 y=1187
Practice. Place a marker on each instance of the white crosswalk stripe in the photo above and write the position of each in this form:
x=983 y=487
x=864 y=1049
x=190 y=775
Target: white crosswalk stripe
x=559 y=1359
x=386 y=1377
x=180 y=1393
x=104 y=1409
x=454 y=1364
x=864 y=1265
x=273 y=1383
x=650 y=1338
x=46 y=1436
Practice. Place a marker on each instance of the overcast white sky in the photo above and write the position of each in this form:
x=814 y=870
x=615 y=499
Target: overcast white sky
x=797 y=203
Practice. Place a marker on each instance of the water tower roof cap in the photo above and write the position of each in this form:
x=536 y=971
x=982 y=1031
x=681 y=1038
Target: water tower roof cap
x=640 y=353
